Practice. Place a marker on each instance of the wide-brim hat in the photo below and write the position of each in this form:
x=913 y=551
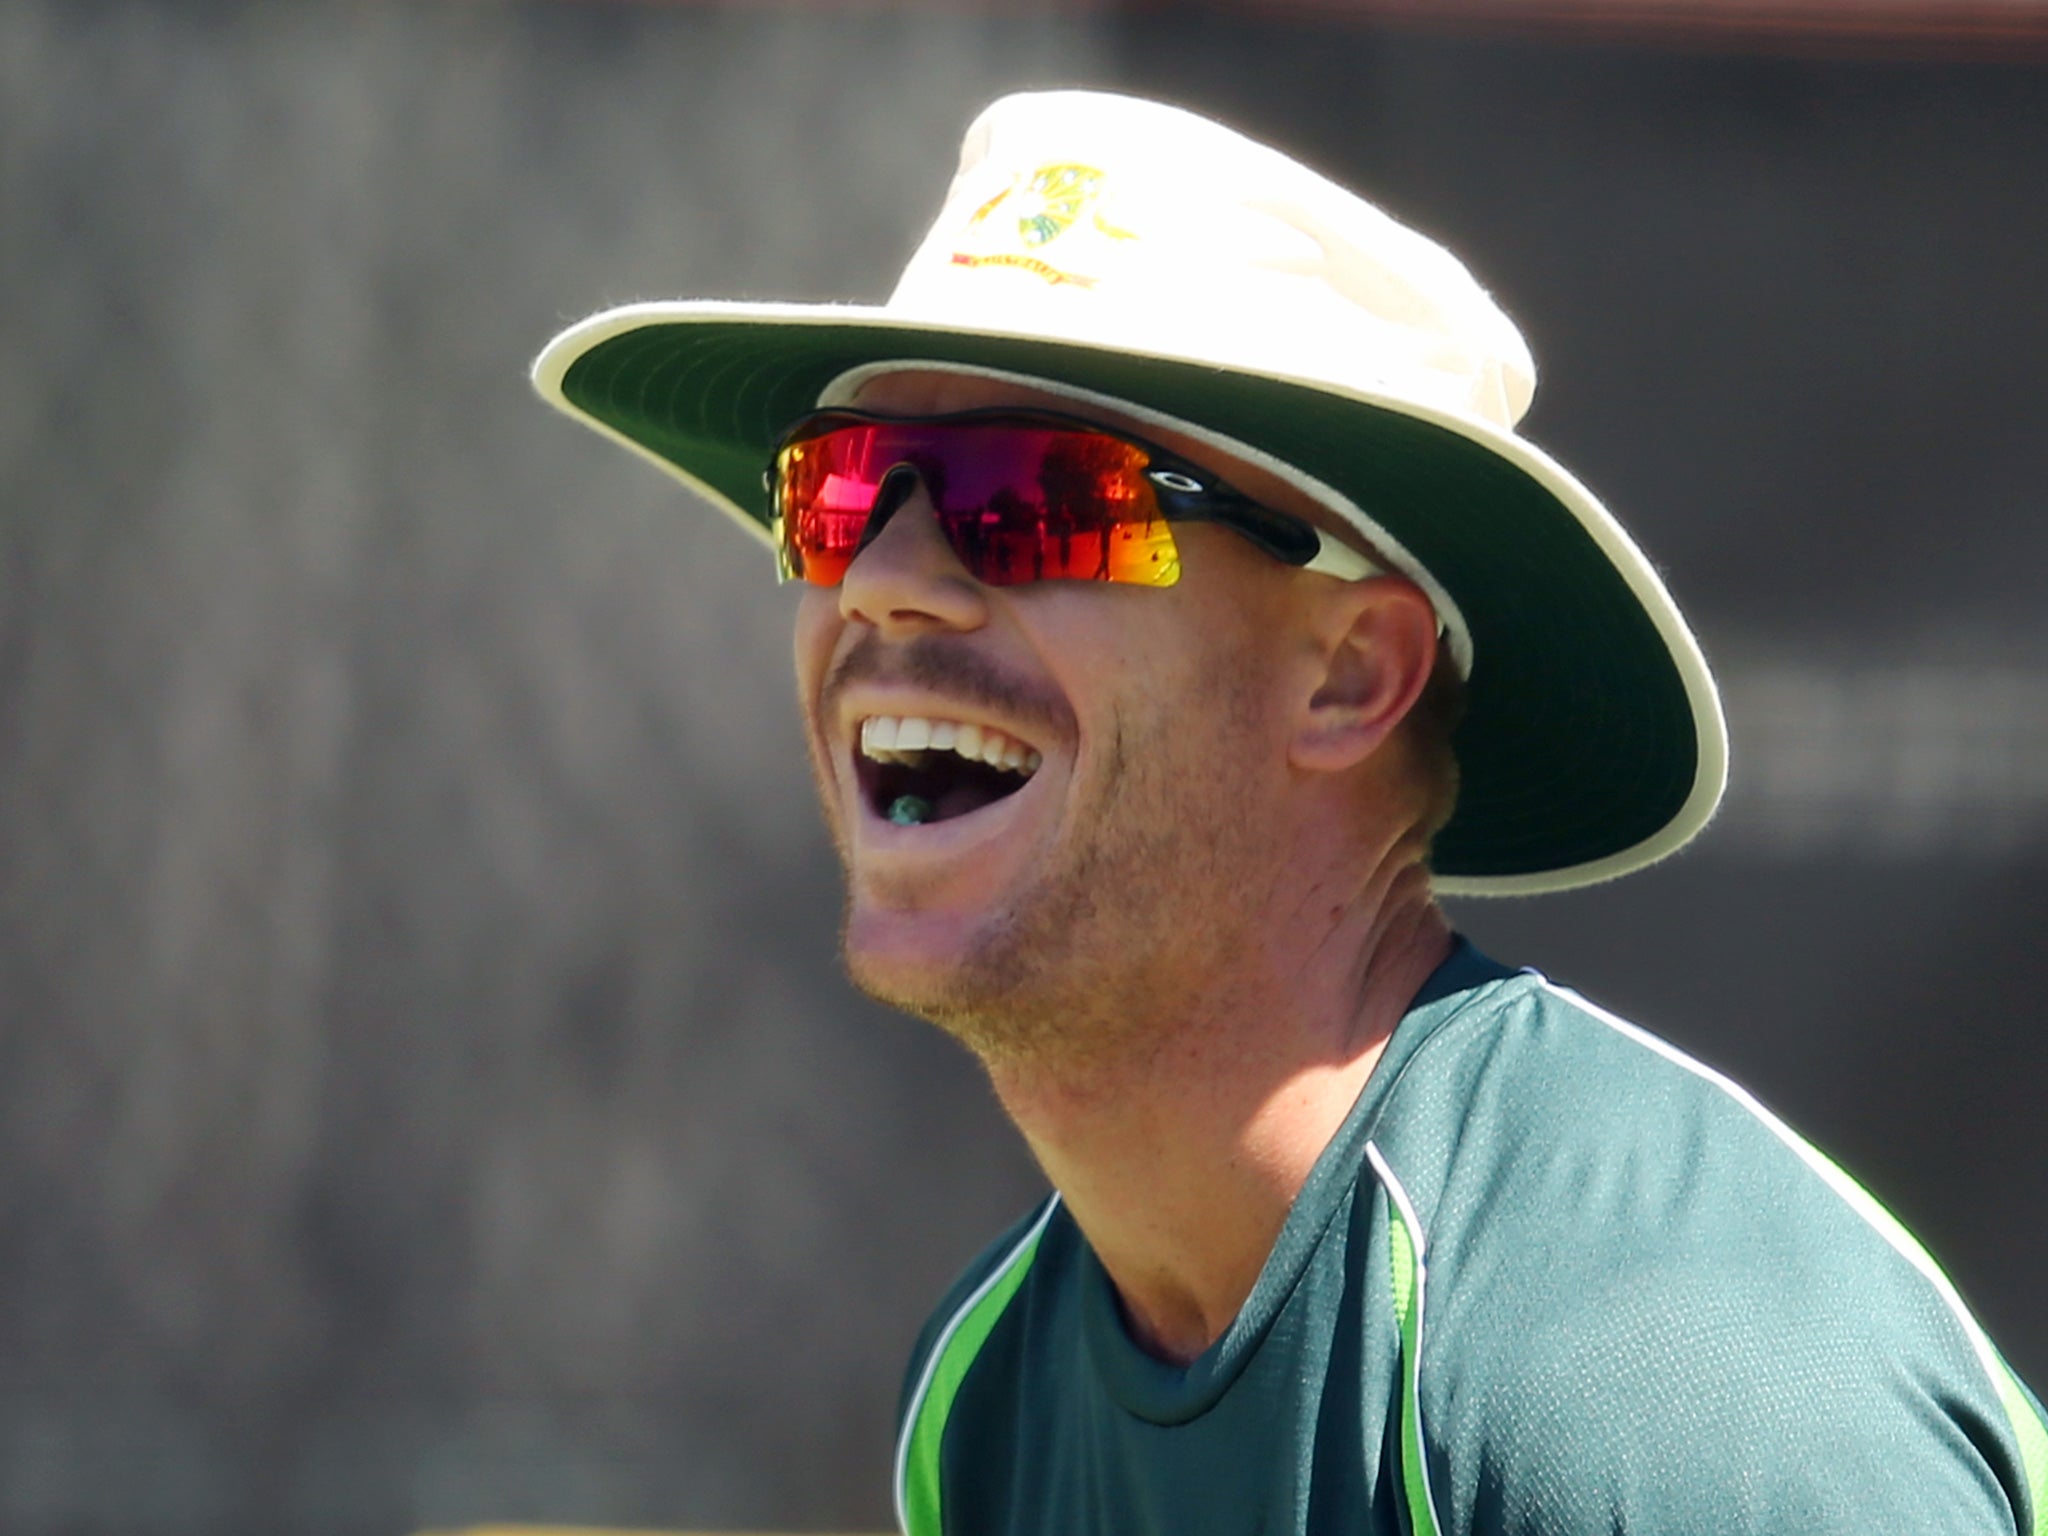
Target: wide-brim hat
x=1132 y=252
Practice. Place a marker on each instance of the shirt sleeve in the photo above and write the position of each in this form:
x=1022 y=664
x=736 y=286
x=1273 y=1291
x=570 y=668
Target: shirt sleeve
x=1717 y=1398
x=1652 y=1308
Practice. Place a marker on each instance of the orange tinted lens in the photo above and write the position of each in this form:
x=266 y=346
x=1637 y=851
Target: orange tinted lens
x=821 y=510
x=1018 y=501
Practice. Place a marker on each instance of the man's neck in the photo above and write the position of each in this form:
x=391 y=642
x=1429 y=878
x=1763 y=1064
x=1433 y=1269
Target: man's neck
x=1181 y=1159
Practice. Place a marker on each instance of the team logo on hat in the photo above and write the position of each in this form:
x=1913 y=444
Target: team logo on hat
x=1044 y=206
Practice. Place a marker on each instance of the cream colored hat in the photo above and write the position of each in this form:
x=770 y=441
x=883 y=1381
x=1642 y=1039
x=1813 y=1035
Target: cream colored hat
x=1126 y=252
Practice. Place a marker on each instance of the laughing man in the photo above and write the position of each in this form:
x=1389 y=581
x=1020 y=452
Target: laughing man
x=1181 y=615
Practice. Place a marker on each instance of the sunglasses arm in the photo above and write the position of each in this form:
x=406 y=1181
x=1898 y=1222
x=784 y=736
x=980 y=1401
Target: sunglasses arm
x=1292 y=540
x=1287 y=538
x=1340 y=561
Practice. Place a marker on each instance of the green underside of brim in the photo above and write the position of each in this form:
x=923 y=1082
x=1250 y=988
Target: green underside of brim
x=1579 y=740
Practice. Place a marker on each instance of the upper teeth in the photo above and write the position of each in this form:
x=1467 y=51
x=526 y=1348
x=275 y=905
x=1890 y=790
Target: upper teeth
x=891 y=738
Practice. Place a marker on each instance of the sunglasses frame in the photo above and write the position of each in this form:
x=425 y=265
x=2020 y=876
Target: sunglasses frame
x=1185 y=492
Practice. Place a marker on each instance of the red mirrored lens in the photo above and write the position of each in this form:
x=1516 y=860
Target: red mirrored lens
x=1018 y=501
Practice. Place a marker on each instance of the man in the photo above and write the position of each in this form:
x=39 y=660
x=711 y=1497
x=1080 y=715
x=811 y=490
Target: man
x=1156 y=536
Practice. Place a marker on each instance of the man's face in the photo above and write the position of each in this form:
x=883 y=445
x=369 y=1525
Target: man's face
x=1050 y=909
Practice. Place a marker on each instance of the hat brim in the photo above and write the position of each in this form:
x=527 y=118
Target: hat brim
x=1593 y=742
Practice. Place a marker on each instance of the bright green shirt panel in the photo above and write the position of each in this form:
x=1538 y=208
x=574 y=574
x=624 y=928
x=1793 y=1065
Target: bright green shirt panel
x=1643 y=1313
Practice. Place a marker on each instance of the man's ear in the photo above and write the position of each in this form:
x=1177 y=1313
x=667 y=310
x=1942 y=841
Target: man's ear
x=1379 y=642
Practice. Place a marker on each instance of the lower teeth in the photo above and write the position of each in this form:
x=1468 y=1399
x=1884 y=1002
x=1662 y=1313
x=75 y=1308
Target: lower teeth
x=910 y=810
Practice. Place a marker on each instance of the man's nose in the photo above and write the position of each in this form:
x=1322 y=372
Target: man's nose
x=906 y=576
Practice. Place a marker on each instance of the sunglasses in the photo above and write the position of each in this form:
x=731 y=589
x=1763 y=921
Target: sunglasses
x=1020 y=495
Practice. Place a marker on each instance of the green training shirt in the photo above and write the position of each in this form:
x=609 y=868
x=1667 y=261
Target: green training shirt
x=1551 y=1277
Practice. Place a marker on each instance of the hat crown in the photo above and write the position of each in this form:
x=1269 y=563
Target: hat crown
x=1130 y=224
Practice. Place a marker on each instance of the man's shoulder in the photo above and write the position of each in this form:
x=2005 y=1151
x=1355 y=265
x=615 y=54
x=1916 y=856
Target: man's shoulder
x=1634 y=1266
x=987 y=1280
x=1518 y=1076
x=1575 y=1177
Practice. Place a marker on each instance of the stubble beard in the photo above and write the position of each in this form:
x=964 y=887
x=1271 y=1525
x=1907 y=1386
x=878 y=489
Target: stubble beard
x=1118 y=941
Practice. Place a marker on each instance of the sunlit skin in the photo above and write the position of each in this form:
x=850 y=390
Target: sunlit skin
x=1181 y=946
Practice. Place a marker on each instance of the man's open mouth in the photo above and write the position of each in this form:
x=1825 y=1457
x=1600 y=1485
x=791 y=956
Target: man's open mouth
x=915 y=770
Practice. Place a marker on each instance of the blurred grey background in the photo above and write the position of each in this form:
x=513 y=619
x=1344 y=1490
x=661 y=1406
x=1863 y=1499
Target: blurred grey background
x=426 y=1090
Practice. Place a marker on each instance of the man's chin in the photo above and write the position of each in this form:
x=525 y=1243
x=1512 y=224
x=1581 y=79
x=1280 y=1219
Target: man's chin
x=962 y=979
x=917 y=963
